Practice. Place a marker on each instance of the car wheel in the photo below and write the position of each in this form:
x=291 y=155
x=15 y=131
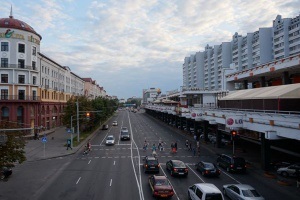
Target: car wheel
x=189 y=196
x=285 y=174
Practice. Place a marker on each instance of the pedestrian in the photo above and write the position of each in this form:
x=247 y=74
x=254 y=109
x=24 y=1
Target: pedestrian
x=69 y=144
x=190 y=146
x=160 y=146
x=175 y=145
x=194 y=151
x=154 y=150
x=187 y=144
x=145 y=145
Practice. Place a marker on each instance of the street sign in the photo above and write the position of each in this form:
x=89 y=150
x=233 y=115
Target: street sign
x=44 y=140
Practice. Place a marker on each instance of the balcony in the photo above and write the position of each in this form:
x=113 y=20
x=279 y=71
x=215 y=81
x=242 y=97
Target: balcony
x=16 y=66
x=19 y=98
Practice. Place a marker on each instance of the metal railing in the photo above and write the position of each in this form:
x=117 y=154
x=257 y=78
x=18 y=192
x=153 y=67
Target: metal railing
x=19 y=98
x=14 y=66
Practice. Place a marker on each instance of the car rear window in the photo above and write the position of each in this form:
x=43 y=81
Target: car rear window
x=124 y=132
x=162 y=182
x=239 y=160
x=110 y=138
x=152 y=162
x=178 y=164
x=215 y=196
x=209 y=165
x=250 y=193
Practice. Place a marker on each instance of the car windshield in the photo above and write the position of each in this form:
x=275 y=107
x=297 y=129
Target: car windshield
x=110 y=138
x=162 y=182
x=124 y=132
x=213 y=197
x=209 y=166
x=250 y=193
x=178 y=164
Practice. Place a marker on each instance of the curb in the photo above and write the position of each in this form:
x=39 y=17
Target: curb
x=284 y=183
x=269 y=175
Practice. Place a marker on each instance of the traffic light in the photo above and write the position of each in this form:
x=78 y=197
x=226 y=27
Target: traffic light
x=234 y=134
x=88 y=115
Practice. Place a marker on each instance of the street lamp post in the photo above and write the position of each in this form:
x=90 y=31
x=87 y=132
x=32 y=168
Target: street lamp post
x=77 y=104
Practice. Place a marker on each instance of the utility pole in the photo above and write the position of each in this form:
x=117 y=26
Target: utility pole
x=77 y=104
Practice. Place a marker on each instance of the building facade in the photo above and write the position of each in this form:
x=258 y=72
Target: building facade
x=34 y=88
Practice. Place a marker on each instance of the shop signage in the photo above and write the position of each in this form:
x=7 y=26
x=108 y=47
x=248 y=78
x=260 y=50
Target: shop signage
x=234 y=121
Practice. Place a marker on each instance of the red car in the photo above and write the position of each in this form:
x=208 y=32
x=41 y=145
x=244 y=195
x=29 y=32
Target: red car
x=160 y=186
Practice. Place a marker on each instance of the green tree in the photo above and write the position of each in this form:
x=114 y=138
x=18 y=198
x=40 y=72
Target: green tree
x=13 y=150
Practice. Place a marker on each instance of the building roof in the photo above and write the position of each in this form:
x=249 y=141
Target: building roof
x=11 y=22
x=291 y=91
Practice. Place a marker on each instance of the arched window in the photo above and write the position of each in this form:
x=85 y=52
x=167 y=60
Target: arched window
x=5 y=113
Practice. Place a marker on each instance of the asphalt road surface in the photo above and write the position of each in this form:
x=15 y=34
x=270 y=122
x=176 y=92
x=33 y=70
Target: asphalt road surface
x=116 y=172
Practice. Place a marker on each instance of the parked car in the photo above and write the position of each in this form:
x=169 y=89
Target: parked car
x=200 y=191
x=151 y=164
x=115 y=123
x=279 y=164
x=232 y=163
x=160 y=186
x=110 y=140
x=207 y=169
x=289 y=171
x=105 y=127
x=241 y=191
x=177 y=167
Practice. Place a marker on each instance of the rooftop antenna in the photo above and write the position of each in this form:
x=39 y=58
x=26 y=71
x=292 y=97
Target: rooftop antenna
x=11 y=15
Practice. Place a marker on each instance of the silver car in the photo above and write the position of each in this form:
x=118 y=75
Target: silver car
x=241 y=191
x=110 y=140
x=289 y=171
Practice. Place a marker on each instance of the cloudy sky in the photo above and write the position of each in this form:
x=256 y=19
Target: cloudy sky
x=130 y=45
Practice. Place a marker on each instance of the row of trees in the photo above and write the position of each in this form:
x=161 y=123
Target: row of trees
x=99 y=110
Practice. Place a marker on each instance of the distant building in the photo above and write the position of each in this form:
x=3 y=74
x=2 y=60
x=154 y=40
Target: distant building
x=150 y=95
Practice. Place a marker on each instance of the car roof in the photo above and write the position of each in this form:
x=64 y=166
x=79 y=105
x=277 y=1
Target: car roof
x=208 y=187
x=242 y=186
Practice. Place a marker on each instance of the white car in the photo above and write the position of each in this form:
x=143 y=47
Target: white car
x=289 y=171
x=115 y=123
x=241 y=191
x=204 y=191
x=110 y=140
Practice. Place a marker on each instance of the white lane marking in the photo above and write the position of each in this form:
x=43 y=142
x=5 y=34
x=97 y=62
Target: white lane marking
x=110 y=182
x=170 y=182
x=89 y=162
x=114 y=162
x=78 y=180
x=139 y=182
x=196 y=174
x=230 y=177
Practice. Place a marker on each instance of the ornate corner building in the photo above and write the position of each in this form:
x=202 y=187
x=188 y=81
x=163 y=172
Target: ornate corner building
x=34 y=88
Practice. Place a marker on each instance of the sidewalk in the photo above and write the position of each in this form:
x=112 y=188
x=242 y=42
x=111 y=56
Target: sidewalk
x=54 y=147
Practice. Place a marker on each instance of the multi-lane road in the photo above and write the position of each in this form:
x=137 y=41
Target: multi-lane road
x=116 y=172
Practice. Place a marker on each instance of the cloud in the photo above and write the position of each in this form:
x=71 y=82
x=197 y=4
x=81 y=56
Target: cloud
x=131 y=44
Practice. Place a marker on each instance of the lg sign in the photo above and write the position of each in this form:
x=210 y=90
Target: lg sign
x=196 y=114
x=231 y=121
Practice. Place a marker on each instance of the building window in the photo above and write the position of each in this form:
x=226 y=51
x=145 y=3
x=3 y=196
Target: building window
x=34 y=95
x=4 y=46
x=42 y=68
x=4 y=94
x=33 y=65
x=21 y=63
x=4 y=62
x=4 y=78
x=21 y=94
x=21 y=79
x=34 y=80
x=21 y=48
x=34 y=51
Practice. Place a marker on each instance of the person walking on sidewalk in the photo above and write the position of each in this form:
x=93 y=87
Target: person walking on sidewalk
x=69 y=144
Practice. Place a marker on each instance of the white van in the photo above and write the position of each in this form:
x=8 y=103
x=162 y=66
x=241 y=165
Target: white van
x=204 y=191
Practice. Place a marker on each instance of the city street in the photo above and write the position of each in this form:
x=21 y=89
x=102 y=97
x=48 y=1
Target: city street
x=116 y=172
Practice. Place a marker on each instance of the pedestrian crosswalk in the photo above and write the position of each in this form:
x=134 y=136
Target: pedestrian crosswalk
x=141 y=157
